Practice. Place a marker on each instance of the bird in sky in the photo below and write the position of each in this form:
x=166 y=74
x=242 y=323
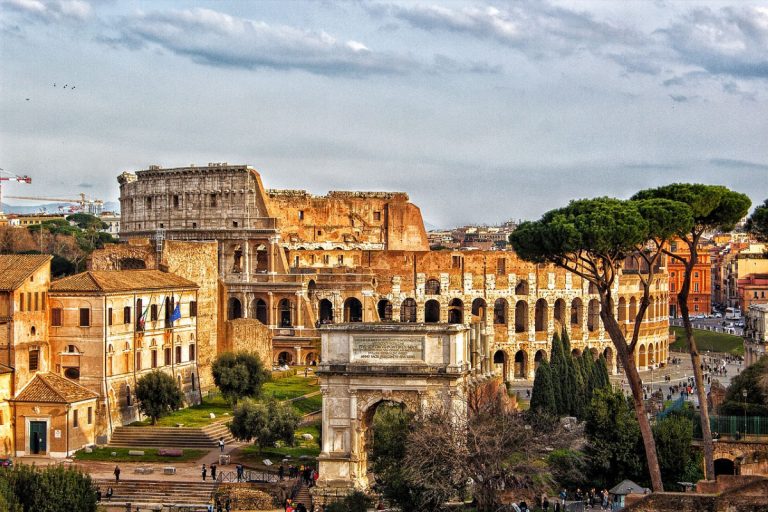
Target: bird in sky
x=65 y=85
x=54 y=84
x=27 y=99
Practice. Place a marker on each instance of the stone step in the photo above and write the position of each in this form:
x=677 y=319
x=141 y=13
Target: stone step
x=169 y=437
x=158 y=491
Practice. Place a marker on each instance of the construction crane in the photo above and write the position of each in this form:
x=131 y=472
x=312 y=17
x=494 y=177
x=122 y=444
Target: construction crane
x=9 y=176
x=92 y=206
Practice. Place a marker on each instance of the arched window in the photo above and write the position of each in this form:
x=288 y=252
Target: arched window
x=593 y=317
x=259 y=311
x=285 y=312
x=521 y=316
x=408 y=311
x=234 y=309
x=576 y=313
x=432 y=287
x=456 y=312
x=432 y=311
x=542 y=309
x=326 y=311
x=385 y=310
x=479 y=308
x=521 y=288
x=192 y=352
x=500 y=312
x=353 y=310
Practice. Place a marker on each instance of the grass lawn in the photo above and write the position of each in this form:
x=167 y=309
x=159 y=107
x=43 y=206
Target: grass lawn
x=150 y=455
x=308 y=405
x=195 y=416
x=708 y=340
x=311 y=448
x=290 y=387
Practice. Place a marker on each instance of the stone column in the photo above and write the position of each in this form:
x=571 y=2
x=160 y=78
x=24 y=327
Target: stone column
x=271 y=309
x=246 y=304
x=246 y=260
x=297 y=348
x=299 y=316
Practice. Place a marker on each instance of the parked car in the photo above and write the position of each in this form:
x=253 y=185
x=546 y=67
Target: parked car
x=718 y=315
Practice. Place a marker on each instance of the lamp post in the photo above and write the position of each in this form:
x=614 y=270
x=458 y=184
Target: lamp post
x=744 y=394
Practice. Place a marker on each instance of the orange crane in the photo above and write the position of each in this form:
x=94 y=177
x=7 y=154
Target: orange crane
x=93 y=206
x=9 y=176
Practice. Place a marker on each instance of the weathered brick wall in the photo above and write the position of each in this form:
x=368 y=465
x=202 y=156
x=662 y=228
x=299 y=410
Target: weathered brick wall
x=246 y=334
x=111 y=256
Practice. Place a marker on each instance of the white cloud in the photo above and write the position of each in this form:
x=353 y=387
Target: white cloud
x=51 y=10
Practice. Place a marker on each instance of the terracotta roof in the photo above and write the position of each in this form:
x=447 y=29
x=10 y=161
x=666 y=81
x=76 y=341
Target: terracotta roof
x=107 y=281
x=50 y=388
x=15 y=268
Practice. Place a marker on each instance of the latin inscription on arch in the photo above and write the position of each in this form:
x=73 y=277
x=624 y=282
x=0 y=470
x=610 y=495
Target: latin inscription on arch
x=387 y=348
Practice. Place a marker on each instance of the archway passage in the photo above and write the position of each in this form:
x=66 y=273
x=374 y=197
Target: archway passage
x=500 y=362
x=521 y=316
x=385 y=429
x=521 y=366
x=541 y=315
x=259 y=311
x=432 y=311
x=310 y=359
x=284 y=357
x=724 y=467
x=521 y=288
x=326 y=311
x=234 y=309
x=353 y=310
x=385 y=310
x=576 y=314
x=560 y=312
x=479 y=309
x=593 y=318
x=500 y=312
x=285 y=309
x=456 y=312
x=408 y=311
x=432 y=287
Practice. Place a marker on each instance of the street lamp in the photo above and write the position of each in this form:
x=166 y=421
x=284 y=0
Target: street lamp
x=744 y=394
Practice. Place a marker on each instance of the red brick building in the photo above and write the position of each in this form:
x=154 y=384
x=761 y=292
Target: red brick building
x=700 y=296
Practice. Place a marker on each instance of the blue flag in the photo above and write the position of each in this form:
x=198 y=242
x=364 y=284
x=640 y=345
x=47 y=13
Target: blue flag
x=176 y=313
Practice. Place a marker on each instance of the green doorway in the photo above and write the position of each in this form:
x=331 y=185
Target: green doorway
x=38 y=435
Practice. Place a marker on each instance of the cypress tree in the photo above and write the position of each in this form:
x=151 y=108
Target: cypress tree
x=543 y=396
x=604 y=379
x=559 y=367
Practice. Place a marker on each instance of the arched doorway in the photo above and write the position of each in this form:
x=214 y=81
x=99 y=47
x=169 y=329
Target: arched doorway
x=479 y=309
x=521 y=316
x=325 y=307
x=724 y=467
x=642 y=361
x=593 y=318
x=521 y=366
x=521 y=288
x=541 y=315
x=456 y=312
x=432 y=287
x=384 y=431
x=608 y=355
x=259 y=311
x=576 y=313
x=560 y=312
x=500 y=362
x=432 y=311
x=285 y=313
x=622 y=309
x=385 y=310
x=408 y=311
x=284 y=357
x=540 y=357
x=310 y=359
x=234 y=309
x=353 y=310
x=632 y=310
x=500 y=312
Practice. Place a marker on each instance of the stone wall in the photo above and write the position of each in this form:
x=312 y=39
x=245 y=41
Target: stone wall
x=124 y=256
x=736 y=494
x=245 y=334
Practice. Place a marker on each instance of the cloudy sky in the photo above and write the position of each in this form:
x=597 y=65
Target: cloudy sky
x=480 y=111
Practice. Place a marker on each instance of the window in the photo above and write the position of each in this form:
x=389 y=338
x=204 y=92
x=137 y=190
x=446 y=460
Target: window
x=37 y=301
x=127 y=314
x=90 y=415
x=696 y=275
x=755 y=294
x=148 y=203
x=178 y=354
x=43 y=303
x=193 y=308
x=213 y=200
x=191 y=352
x=695 y=287
x=34 y=359
x=154 y=358
x=695 y=307
x=29 y=301
x=72 y=373
x=85 y=317
x=21 y=301
x=153 y=313
x=377 y=216
x=2 y=420
x=192 y=378
x=167 y=356
x=456 y=261
x=138 y=361
x=234 y=223
x=301 y=214
x=672 y=287
x=194 y=224
x=75 y=422
x=340 y=260
x=128 y=395
x=295 y=261
x=501 y=266
x=109 y=316
x=673 y=246
x=326 y=259
x=56 y=317
x=175 y=201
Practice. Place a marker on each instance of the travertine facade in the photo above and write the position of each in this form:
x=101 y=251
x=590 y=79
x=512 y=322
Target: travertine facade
x=295 y=261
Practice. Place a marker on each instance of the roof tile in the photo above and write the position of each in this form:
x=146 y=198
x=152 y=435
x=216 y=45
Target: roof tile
x=51 y=388
x=15 y=268
x=106 y=281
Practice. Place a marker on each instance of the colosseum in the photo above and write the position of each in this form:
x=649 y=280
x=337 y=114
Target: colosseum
x=295 y=261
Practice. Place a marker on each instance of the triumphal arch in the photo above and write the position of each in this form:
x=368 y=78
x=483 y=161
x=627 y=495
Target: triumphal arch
x=366 y=364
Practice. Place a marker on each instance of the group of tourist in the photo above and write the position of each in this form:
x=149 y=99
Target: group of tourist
x=294 y=507
x=307 y=473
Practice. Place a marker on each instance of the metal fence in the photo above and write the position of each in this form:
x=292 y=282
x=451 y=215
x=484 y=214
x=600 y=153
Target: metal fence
x=735 y=426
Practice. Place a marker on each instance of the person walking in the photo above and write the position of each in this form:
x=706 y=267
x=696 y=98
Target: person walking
x=221 y=444
x=204 y=472
x=213 y=471
x=117 y=473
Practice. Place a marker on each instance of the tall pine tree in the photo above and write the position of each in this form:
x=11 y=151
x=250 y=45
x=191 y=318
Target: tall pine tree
x=543 y=396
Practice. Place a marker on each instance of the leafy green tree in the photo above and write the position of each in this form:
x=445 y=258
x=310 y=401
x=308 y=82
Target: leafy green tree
x=594 y=239
x=264 y=423
x=569 y=468
x=757 y=223
x=390 y=431
x=751 y=380
x=713 y=207
x=543 y=395
x=677 y=458
x=86 y=221
x=614 y=445
x=355 y=502
x=158 y=395
x=239 y=375
x=47 y=489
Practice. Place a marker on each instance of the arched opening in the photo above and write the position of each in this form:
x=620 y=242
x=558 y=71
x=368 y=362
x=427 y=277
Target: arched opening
x=500 y=362
x=592 y=289
x=408 y=311
x=310 y=359
x=353 y=310
x=131 y=264
x=311 y=288
x=608 y=355
x=234 y=308
x=237 y=260
x=325 y=308
x=632 y=309
x=384 y=308
x=456 y=312
x=521 y=288
x=284 y=357
x=521 y=316
x=500 y=312
x=479 y=309
x=541 y=315
x=432 y=287
x=259 y=311
x=72 y=373
x=594 y=353
x=576 y=313
x=642 y=360
x=285 y=313
x=384 y=430
x=521 y=369
x=432 y=311
x=724 y=467
x=593 y=318
x=560 y=311
x=622 y=309
x=538 y=358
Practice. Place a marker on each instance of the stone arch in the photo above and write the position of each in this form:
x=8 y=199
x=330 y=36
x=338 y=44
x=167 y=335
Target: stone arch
x=594 y=353
x=560 y=312
x=384 y=308
x=608 y=355
x=539 y=357
x=593 y=316
x=650 y=313
x=325 y=309
x=131 y=264
x=632 y=313
x=285 y=357
x=521 y=364
x=724 y=466
x=500 y=312
x=285 y=313
x=522 y=287
x=542 y=311
x=353 y=310
x=432 y=311
x=622 y=309
x=408 y=311
x=311 y=288
x=651 y=351
x=456 y=312
x=500 y=359
x=479 y=309
x=259 y=311
x=592 y=289
x=234 y=308
x=521 y=316
x=432 y=287
x=310 y=358
x=577 y=314
x=642 y=360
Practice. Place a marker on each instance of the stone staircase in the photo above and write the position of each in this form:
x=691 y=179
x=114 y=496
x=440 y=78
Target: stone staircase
x=143 y=493
x=171 y=437
x=303 y=496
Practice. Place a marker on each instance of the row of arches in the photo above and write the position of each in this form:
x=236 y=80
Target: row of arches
x=520 y=366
